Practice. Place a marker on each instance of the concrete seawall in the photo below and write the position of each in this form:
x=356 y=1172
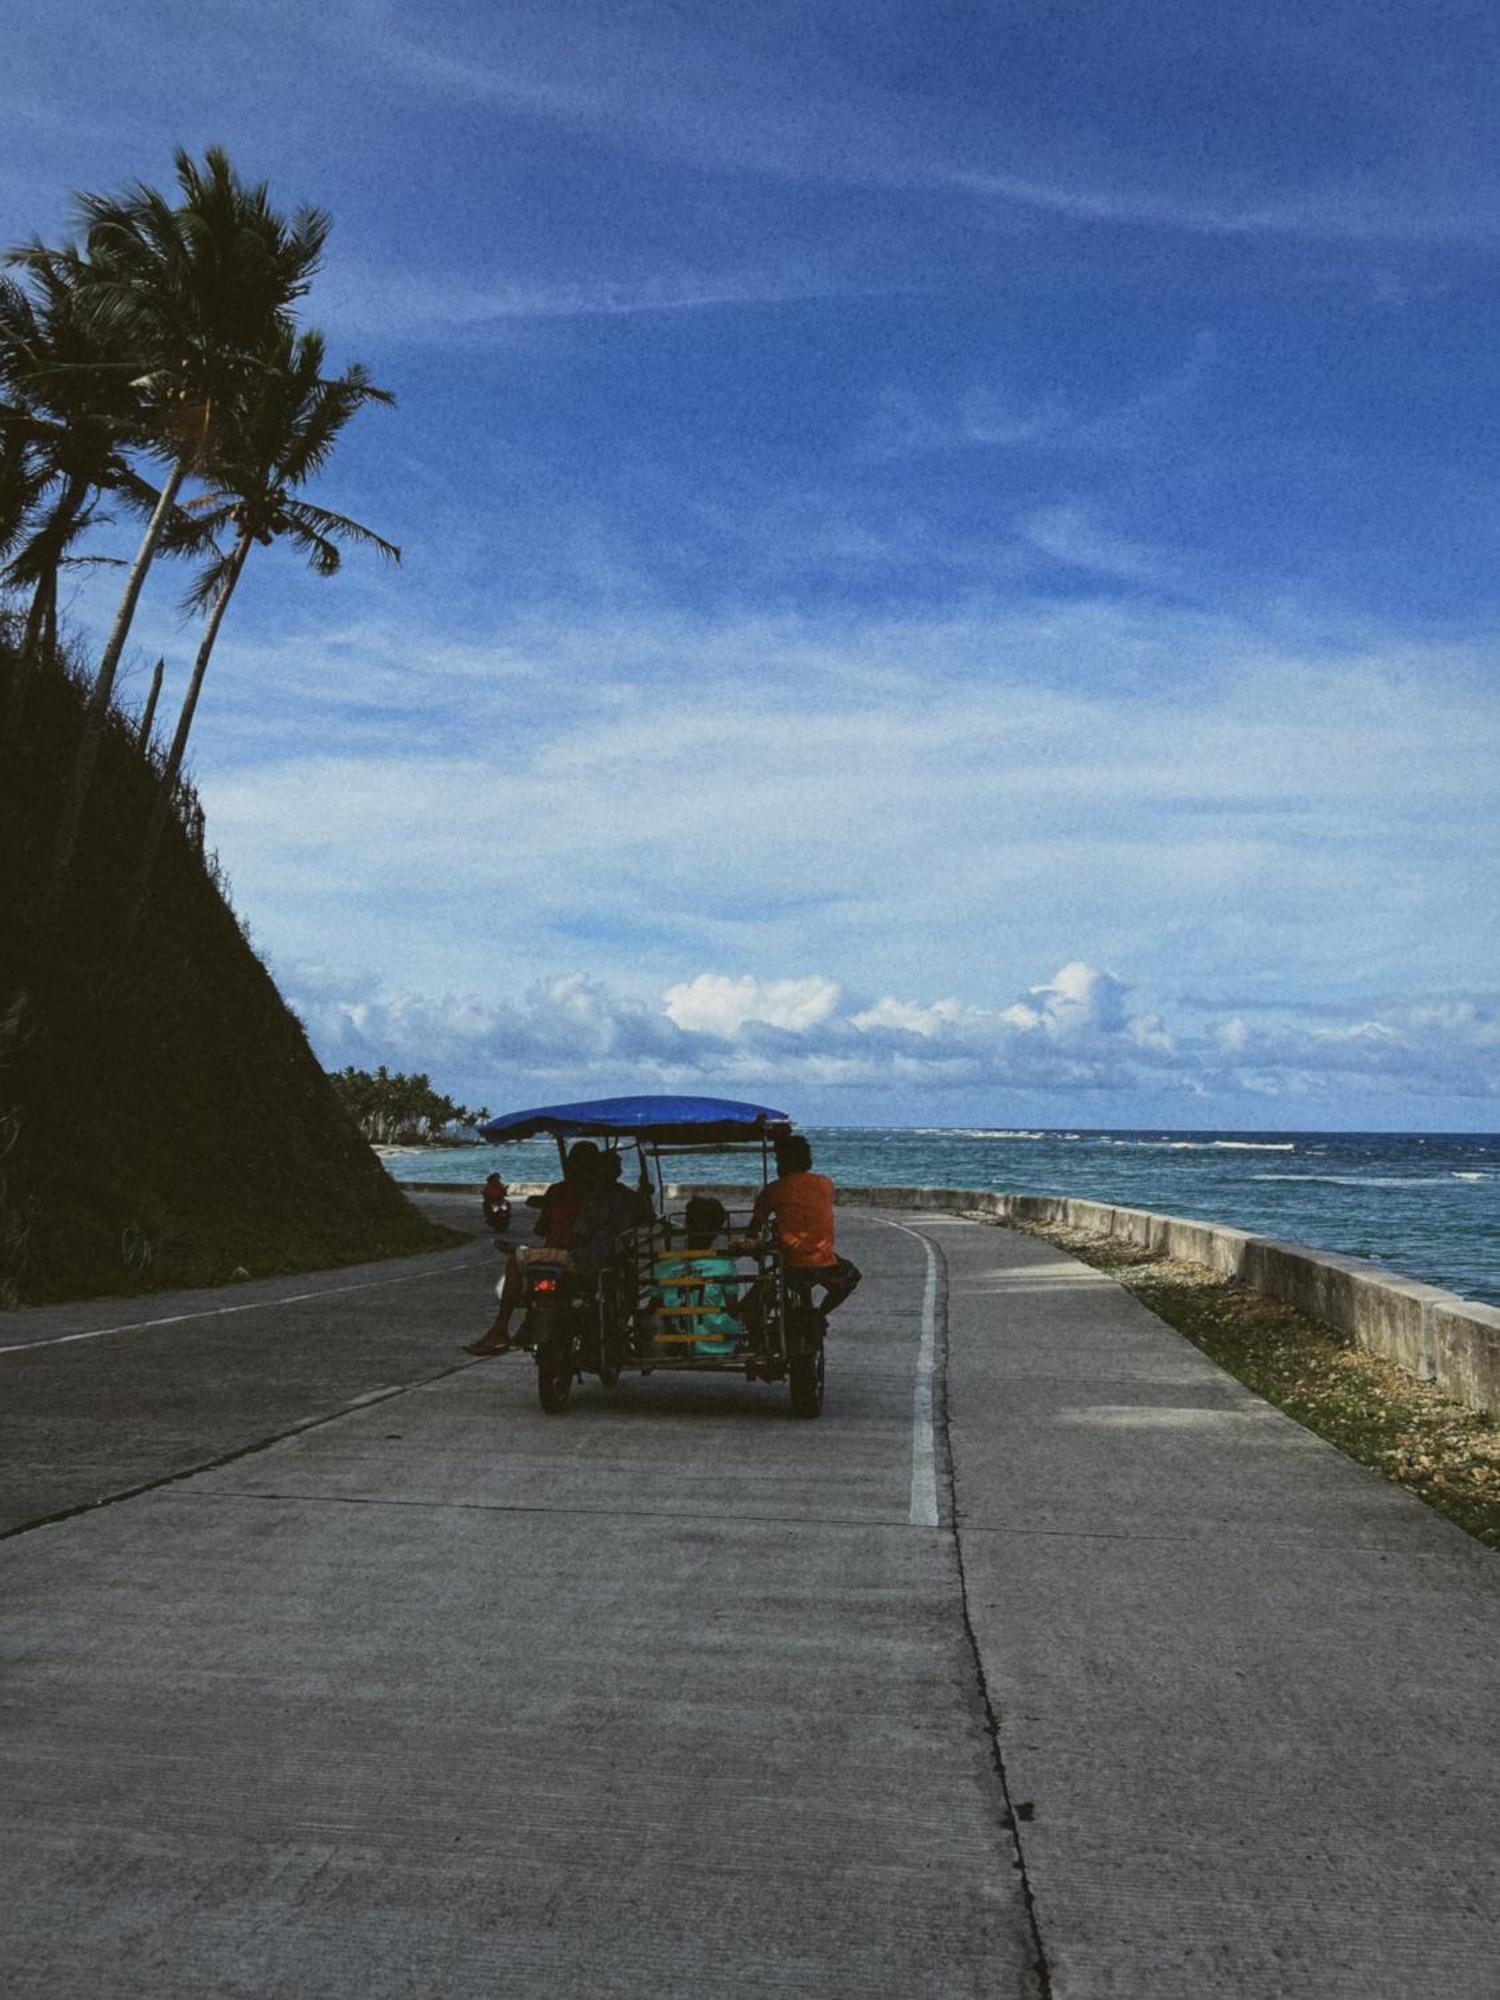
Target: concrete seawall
x=1434 y=1335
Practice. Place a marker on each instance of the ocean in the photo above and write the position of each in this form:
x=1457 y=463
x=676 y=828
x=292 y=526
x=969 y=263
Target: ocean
x=1424 y=1205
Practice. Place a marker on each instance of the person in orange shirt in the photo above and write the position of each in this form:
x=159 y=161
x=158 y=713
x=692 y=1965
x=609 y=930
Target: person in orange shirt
x=800 y=1204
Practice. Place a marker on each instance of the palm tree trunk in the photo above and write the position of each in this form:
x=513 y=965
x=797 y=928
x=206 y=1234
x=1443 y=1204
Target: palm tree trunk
x=49 y=617
x=97 y=712
x=36 y=614
x=162 y=803
x=149 y=716
x=200 y=665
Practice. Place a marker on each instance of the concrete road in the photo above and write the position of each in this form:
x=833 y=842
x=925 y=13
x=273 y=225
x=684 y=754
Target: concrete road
x=104 y=1398
x=446 y=1697
x=1248 y=1690
x=1049 y=1661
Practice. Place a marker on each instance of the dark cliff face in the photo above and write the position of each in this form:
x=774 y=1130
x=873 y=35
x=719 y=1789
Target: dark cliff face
x=162 y=1118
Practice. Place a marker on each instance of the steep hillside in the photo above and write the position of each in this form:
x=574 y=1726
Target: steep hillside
x=162 y=1118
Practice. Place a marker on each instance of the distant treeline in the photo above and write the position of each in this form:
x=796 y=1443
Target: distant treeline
x=397 y=1110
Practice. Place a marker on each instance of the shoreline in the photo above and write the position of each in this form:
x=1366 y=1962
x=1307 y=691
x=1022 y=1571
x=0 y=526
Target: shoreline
x=1424 y=1207
x=396 y=1152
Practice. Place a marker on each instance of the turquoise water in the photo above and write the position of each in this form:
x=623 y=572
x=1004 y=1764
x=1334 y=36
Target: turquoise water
x=1425 y=1205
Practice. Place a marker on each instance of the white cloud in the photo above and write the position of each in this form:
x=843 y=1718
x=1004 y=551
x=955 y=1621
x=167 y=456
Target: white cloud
x=1232 y=1036
x=1080 y=1000
x=909 y=1016
x=712 y=1004
x=1072 y=1040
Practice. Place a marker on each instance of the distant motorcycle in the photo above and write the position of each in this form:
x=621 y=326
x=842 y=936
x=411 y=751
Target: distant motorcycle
x=496 y=1197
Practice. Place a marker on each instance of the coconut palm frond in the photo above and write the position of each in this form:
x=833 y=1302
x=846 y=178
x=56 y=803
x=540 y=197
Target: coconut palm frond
x=207 y=586
x=42 y=551
x=323 y=555
x=21 y=485
x=322 y=521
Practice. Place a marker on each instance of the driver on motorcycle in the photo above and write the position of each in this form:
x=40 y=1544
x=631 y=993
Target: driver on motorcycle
x=608 y=1210
x=558 y=1211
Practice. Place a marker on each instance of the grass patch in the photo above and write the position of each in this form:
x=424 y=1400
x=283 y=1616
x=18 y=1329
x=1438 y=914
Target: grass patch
x=1446 y=1454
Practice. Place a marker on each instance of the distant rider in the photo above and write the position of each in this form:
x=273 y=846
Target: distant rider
x=496 y=1199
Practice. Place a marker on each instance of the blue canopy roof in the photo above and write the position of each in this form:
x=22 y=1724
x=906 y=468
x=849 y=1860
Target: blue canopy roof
x=670 y=1121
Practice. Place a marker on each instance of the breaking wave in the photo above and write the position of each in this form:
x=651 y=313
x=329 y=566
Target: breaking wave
x=1210 y=1145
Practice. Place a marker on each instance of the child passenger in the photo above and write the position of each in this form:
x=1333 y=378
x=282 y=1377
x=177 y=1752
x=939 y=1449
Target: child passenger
x=718 y=1330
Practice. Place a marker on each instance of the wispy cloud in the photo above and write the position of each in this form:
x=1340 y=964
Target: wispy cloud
x=1072 y=537
x=437 y=307
x=1353 y=212
x=678 y=88
x=987 y=417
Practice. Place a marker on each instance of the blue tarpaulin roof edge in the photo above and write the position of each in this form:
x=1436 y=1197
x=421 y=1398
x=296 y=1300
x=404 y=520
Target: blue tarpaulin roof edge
x=671 y=1121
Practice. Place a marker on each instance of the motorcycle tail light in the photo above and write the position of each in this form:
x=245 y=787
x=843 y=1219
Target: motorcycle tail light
x=545 y=1285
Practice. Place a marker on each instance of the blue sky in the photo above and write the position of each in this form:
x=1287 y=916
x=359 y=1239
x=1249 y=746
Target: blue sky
x=951 y=552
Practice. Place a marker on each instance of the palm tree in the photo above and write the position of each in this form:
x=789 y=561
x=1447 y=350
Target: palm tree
x=190 y=297
x=58 y=397
x=70 y=417
x=276 y=435
x=20 y=481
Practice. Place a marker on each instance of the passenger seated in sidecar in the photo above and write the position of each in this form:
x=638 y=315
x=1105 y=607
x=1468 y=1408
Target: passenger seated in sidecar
x=699 y=1295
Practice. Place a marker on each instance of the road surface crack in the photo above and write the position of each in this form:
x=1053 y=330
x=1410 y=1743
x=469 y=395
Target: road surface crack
x=359 y=1404
x=1016 y=1813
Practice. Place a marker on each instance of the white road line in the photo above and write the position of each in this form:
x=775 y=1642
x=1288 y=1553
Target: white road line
x=923 y=1512
x=217 y=1312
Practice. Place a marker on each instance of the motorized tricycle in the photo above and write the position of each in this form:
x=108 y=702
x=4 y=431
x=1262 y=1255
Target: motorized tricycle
x=660 y=1302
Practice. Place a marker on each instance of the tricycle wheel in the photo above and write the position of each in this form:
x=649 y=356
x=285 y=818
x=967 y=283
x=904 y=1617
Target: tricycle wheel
x=554 y=1373
x=806 y=1373
x=610 y=1346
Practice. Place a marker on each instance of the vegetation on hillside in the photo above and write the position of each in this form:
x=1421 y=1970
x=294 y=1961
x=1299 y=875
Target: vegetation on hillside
x=162 y=1119
x=400 y=1110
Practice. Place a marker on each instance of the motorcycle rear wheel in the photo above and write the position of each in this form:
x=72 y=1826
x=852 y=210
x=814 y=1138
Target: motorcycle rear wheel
x=554 y=1383
x=806 y=1373
x=555 y=1367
